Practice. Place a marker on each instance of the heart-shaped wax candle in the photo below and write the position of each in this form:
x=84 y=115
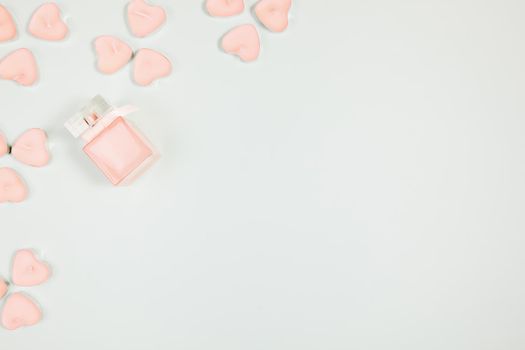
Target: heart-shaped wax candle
x=12 y=188
x=273 y=14
x=28 y=270
x=224 y=8
x=149 y=66
x=7 y=25
x=112 y=53
x=31 y=148
x=20 y=311
x=4 y=147
x=19 y=66
x=3 y=288
x=47 y=23
x=144 y=19
x=242 y=41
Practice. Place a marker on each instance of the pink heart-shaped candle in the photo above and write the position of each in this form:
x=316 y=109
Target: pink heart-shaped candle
x=12 y=188
x=20 y=311
x=7 y=25
x=149 y=66
x=224 y=8
x=112 y=53
x=31 y=148
x=28 y=270
x=3 y=288
x=19 y=66
x=144 y=19
x=273 y=14
x=242 y=41
x=4 y=147
x=47 y=23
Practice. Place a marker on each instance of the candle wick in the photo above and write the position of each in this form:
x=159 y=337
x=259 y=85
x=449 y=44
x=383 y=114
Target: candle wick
x=142 y=14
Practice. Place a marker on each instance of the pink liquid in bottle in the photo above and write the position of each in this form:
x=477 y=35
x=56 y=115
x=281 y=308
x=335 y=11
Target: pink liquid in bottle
x=111 y=142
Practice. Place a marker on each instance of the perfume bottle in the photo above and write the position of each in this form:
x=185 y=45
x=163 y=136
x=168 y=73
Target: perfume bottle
x=111 y=142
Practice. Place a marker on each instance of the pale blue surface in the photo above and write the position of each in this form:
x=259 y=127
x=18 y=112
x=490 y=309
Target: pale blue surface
x=360 y=187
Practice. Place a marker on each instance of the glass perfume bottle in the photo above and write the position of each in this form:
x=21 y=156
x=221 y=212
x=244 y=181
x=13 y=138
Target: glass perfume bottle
x=111 y=142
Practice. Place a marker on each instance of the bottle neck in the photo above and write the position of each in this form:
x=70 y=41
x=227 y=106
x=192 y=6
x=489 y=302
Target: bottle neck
x=94 y=118
x=101 y=122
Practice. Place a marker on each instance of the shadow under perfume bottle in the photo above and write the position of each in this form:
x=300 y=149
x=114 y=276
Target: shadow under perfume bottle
x=111 y=142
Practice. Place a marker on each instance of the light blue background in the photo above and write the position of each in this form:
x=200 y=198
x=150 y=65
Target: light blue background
x=361 y=186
